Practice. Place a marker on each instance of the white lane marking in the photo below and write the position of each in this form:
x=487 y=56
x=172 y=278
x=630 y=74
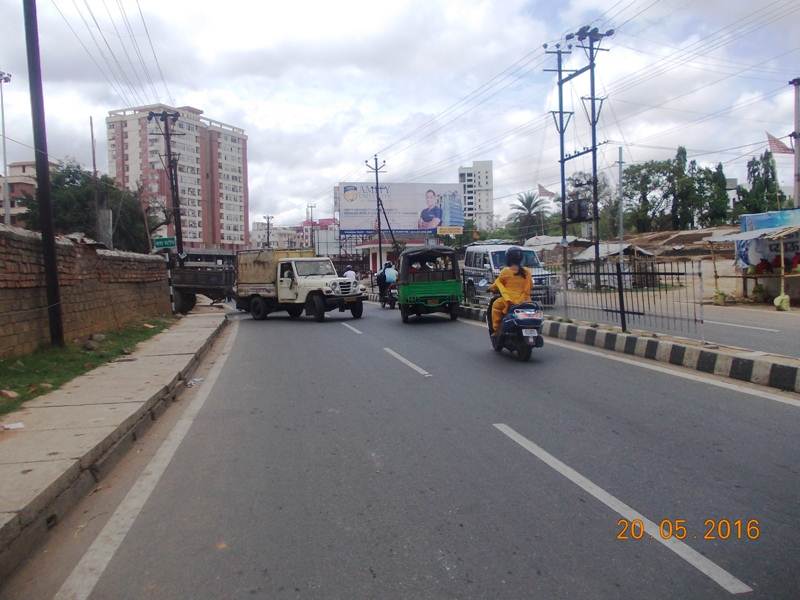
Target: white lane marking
x=81 y=582
x=353 y=329
x=741 y=326
x=675 y=371
x=719 y=575
x=408 y=363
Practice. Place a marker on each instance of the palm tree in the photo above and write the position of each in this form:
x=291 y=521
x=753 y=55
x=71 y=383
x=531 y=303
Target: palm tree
x=529 y=209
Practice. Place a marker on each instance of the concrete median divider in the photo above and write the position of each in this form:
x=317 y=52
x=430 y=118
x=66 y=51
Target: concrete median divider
x=778 y=372
x=74 y=435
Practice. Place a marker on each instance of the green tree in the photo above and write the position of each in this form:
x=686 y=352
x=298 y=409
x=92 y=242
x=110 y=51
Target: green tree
x=712 y=188
x=73 y=200
x=645 y=189
x=528 y=213
x=764 y=193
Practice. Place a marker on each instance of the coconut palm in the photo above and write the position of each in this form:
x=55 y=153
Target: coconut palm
x=528 y=210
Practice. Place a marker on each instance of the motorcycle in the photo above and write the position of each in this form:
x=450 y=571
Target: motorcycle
x=521 y=329
x=390 y=296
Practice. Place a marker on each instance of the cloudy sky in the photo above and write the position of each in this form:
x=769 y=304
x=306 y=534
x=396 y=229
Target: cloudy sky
x=320 y=86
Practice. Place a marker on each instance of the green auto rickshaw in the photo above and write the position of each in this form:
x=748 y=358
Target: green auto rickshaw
x=429 y=282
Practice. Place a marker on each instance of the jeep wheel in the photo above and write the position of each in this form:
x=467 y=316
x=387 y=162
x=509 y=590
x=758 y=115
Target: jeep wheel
x=357 y=309
x=295 y=311
x=319 y=308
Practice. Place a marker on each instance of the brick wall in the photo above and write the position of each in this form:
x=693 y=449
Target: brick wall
x=101 y=290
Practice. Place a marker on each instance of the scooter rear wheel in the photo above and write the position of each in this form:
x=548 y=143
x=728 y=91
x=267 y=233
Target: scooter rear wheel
x=524 y=353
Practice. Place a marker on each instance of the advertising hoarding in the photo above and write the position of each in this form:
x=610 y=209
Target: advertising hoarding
x=410 y=207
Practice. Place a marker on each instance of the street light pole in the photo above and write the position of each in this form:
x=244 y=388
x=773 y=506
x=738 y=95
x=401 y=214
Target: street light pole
x=5 y=78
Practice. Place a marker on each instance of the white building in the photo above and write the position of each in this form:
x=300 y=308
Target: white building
x=279 y=237
x=477 y=191
x=212 y=171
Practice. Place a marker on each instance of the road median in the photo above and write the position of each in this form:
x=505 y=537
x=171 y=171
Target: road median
x=71 y=437
x=774 y=371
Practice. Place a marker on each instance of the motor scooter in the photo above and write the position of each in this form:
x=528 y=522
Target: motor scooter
x=521 y=329
x=390 y=296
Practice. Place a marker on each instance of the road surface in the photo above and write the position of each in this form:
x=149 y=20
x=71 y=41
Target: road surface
x=371 y=459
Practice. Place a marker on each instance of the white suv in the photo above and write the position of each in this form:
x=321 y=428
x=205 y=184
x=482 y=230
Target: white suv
x=483 y=262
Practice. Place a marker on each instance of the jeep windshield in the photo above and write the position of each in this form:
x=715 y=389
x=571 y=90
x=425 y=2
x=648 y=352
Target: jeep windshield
x=314 y=268
x=529 y=259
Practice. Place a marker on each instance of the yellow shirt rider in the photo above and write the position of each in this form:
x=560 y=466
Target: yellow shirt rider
x=514 y=285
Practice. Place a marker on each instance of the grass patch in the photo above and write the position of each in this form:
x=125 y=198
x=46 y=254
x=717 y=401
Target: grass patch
x=57 y=366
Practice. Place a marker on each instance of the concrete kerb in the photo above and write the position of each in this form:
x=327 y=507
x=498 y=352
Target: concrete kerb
x=22 y=531
x=761 y=371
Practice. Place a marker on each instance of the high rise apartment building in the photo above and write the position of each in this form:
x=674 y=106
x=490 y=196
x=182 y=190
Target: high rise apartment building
x=212 y=171
x=477 y=188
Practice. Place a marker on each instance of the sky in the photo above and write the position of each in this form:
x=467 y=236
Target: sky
x=429 y=85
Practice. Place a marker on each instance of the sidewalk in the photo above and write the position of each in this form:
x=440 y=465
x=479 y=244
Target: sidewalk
x=73 y=435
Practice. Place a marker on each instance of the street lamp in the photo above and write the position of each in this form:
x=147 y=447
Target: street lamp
x=5 y=78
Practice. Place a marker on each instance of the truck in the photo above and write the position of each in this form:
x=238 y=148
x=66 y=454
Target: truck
x=207 y=272
x=272 y=280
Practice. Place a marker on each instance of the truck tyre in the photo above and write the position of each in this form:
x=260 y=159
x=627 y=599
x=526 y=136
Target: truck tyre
x=258 y=308
x=319 y=308
x=357 y=310
x=184 y=301
x=295 y=311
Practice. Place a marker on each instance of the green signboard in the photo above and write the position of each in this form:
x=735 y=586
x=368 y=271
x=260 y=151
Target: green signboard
x=164 y=242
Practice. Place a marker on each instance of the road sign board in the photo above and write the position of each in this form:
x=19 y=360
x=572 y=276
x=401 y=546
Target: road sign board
x=164 y=242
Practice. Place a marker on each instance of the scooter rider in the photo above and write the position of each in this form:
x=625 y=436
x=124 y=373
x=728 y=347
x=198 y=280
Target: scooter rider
x=514 y=284
x=386 y=277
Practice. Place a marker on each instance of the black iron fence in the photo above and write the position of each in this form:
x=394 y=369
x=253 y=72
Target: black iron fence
x=653 y=295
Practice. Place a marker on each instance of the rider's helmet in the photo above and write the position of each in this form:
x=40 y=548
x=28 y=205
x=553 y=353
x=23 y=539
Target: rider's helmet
x=348 y=268
x=388 y=264
x=514 y=256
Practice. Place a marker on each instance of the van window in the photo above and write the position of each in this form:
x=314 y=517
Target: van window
x=529 y=259
x=469 y=260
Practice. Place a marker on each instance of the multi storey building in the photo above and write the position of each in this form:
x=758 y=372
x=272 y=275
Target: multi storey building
x=279 y=237
x=21 y=184
x=212 y=171
x=477 y=184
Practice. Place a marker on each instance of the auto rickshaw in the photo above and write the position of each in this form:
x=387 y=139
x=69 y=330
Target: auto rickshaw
x=429 y=282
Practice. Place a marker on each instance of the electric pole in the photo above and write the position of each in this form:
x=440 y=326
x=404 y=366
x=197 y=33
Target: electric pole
x=170 y=118
x=561 y=126
x=311 y=208
x=5 y=78
x=268 y=218
x=595 y=38
x=621 y=208
x=43 y=174
x=796 y=137
x=378 y=169
x=103 y=216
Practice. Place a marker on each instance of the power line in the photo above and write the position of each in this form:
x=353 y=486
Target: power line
x=117 y=89
x=153 y=50
x=136 y=48
x=124 y=49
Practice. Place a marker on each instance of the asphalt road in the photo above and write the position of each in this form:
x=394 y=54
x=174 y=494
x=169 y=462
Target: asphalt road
x=322 y=466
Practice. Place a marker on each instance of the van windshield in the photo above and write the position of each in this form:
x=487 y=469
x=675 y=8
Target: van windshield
x=308 y=268
x=529 y=259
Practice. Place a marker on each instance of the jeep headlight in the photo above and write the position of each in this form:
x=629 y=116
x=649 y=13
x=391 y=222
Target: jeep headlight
x=327 y=289
x=362 y=288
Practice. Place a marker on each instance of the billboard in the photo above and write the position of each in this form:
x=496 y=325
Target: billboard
x=410 y=207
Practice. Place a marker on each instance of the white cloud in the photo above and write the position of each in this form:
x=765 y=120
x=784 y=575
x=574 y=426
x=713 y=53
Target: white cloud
x=320 y=86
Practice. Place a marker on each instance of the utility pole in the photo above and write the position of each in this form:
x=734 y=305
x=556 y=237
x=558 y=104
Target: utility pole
x=796 y=137
x=43 y=174
x=595 y=39
x=621 y=216
x=269 y=223
x=170 y=118
x=561 y=126
x=103 y=228
x=311 y=208
x=378 y=169
x=5 y=78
